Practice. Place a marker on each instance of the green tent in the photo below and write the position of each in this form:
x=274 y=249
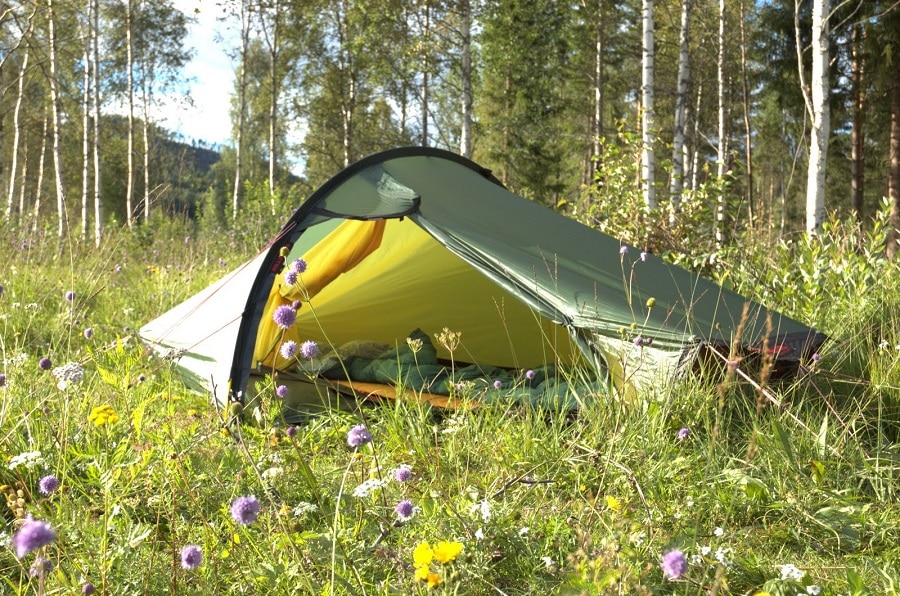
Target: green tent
x=407 y=245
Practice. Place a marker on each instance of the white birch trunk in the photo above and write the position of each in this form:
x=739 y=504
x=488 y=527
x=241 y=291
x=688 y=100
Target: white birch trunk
x=61 y=212
x=676 y=184
x=821 y=125
x=145 y=100
x=721 y=149
x=648 y=157
x=129 y=57
x=242 y=107
x=95 y=43
x=465 y=137
x=85 y=131
x=39 y=184
x=17 y=131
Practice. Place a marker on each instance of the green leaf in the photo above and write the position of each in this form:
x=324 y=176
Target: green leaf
x=785 y=440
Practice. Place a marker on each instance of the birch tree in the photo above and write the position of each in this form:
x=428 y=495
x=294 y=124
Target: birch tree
x=55 y=99
x=648 y=157
x=465 y=136
x=17 y=131
x=244 y=17
x=676 y=184
x=722 y=144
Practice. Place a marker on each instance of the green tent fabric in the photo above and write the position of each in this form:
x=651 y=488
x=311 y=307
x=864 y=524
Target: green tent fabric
x=444 y=244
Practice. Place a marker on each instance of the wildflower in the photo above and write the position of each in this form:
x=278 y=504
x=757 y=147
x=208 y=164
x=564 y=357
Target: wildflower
x=718 y=532
x=644 y=255
x=191 y=556
x=816 y=357
x=291 y=431
x=272 y=473
x=2 y=380
x=281 y=391
x=368 y=487
x=45 y=363
x=651 y=302
x=638 y=340
x=674 y=565
x=290 y=277
x=482 y=508
x=415 y=344
x=523 y=531
x=70 y=296
x=405 y=510
x=89 y=333
x=32 y=536
x=28 y=459
x=88 y=588
x=285 y=317
x=309 y=349
x=303 y=508
x=48 y=485
x=245 y=510
x=41 y=567
x=298 y=265
x=791 y=571
x=479 y=534
x=623 y=250
x=358 y=436
x=288 y=349
x=683 y=433
x=498 y=384
x=102 y=415
x=813 y=590
x=71 y=373
x=721 y=555
x=402 y=473
x=444 y=551
x=529 y=374
x=613 y=503
x=423 y=555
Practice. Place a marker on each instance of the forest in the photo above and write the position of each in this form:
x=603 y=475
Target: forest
x=645 y=119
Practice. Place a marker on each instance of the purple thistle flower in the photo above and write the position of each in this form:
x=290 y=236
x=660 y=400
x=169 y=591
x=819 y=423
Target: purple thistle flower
x=41 y=567
x=683 y=433
x=309 y=349
x=402 y=473
x=32 y=536
x=498 y=384
x=298 y=266
x=281 y=391
x=529 y=374
x=191 y=556
x=2 y=379
x=358 y=436
x=89 y=333
x=405 y=510
x=816 y=357
x=48 y=485
x=288 y=349
x=45 y=363
x=290 y=431
x=674 y=565
x=70 y=296
x=88 y=588
x=285 y=317
x=623 y=250
x=290 y=277
x=245 y=510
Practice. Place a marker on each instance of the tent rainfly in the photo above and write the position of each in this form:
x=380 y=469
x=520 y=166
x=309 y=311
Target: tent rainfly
x=408 y=243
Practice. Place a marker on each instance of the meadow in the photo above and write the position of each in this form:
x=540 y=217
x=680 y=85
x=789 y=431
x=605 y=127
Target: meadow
x=119 y=480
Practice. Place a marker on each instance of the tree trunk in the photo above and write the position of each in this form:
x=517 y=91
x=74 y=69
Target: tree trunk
x=95 y=42
x=721 y=147
x=17 y=126
x=648 y=156
x=273 y=99
x=425 y=67
x=85 y=129
x=893 y=237
x=242 y=107
x=145 y=100
x=596 y=160
x=857 y=136
x=129 y=57
x=61 y=212
x=818 y=142
x=748 y=128
x=39 y=184
x=465 y=137
x=676 y=184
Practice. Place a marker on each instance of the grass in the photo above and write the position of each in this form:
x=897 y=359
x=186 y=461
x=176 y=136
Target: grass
x=759 y=497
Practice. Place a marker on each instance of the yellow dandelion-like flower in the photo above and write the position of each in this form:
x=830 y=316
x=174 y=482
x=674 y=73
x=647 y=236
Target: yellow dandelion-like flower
x=422 y=573
x=434 y=580
x=423 y=555
x=102 y=415
x=444 y=551
x=613 y=503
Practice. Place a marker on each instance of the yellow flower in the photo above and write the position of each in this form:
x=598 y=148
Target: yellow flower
x=434 y=580
x=423 y=555
x=445 y=552
x=613 y=503
x=104 y=414
x=422 y=573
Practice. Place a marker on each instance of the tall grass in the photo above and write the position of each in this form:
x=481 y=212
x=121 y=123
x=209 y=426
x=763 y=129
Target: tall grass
x=774 y=489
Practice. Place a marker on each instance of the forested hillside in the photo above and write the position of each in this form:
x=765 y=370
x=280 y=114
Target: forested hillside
x=722 y=117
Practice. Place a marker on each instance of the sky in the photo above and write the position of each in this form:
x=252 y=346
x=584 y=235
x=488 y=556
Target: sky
x=210 y=77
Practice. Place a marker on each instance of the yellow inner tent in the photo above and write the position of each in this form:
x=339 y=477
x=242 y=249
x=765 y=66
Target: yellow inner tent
x=380 y=280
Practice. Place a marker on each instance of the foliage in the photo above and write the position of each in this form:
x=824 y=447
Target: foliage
x=757 y=497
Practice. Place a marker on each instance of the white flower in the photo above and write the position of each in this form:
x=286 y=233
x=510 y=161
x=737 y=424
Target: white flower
x=689 y=501
x=28 y=459
x=303 y=508
x=719 y=532
x=483 y=508
x=71 y=373
x=721 y=556
x=479 y=534
x=637 y=538
x=368 y=487
x=705 y=550
x=548 y=562
x=813 y=589
x=790 y=571
x=524 y=531
x=272 y=473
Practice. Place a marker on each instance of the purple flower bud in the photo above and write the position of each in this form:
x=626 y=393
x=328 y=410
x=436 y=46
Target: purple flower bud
x=281 y=391
x=70 y=296
x=683 y=433
x=529 y=374
x=623 y=250
x=498 y=384
x=358 y=436
x=402 y=473
x=291 y=431
x=88 y=588
x=405 y=509
x=191 y=556
x=48 y=484
x=45 y=363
